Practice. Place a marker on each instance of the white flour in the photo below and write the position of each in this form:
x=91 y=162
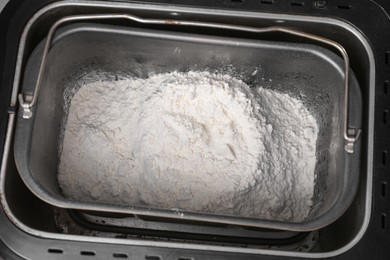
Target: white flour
x=194 y=141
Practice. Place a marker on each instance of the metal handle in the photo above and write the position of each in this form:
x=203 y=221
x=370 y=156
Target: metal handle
x=350 y=134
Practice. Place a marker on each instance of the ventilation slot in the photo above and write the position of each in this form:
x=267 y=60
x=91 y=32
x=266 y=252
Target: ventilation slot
x=120 y=255
x=185 y=258
x=88 y=253
x=383 y=221
x=345 y=7
x=384 y=189
x=153 y=257
x=385 y=114
x=386 y=87
x=297 y=4
x=387 y=57
x=384 y=157
x=267 y=2
x=55 y=251
x=237 y=1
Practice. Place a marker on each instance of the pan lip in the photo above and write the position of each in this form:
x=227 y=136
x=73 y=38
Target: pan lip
x=324 y=20
x=308 y=48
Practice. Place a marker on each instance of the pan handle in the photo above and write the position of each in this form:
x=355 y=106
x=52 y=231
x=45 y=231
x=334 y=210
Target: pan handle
x=351 y=135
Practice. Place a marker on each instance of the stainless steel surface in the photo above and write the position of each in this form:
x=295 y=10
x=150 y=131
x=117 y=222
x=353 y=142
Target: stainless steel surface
x=335 y=240
x=350 y=134
x=306 y=71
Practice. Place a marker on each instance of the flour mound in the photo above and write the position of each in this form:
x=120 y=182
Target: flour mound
x=191 y=141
